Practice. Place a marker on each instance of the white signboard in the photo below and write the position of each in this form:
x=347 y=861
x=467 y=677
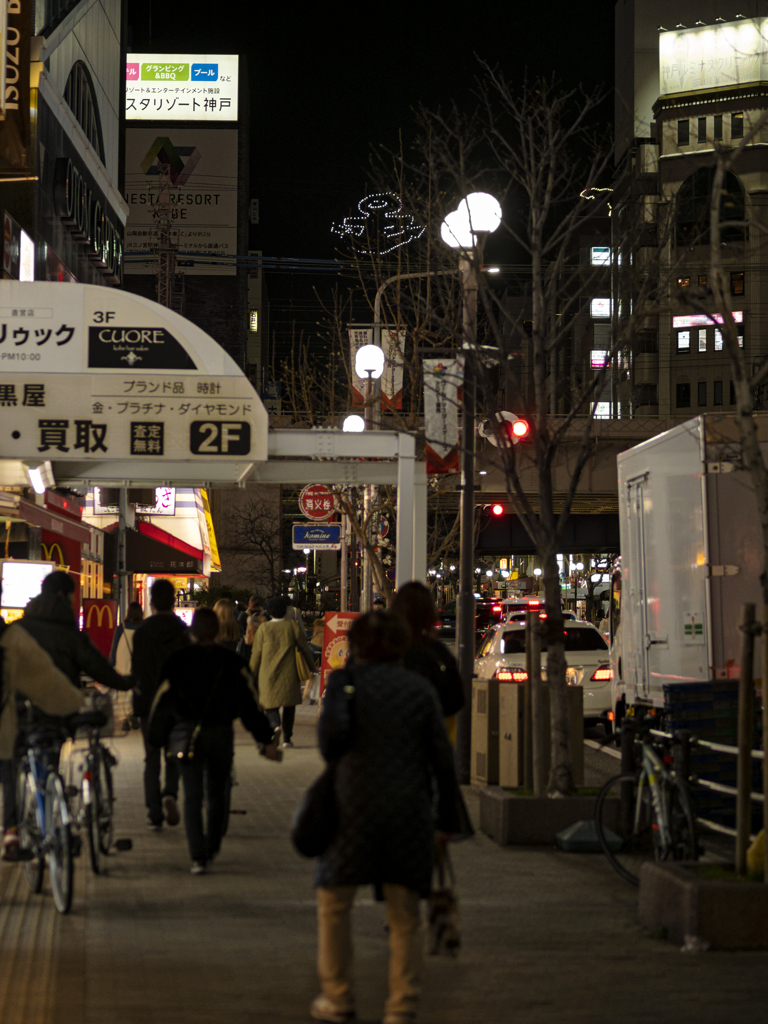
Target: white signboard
x=91 y=372
x=202 y=166
x=180 y=87
x=713 y=56
x=22 y=580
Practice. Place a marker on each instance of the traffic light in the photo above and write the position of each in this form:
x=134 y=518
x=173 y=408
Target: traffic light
x=507 y=426
x=497 y=509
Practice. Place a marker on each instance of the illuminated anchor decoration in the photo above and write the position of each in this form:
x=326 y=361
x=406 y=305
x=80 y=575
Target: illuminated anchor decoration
x=400 y=228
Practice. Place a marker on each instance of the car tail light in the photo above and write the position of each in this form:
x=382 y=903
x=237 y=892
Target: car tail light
x=601 y=675
x=511 y=675
x=496 y=608
x=611 y=716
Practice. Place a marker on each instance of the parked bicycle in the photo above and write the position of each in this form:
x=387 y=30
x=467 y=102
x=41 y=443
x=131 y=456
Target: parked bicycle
x=92 y=801
x=653 y=819
x=45 y=834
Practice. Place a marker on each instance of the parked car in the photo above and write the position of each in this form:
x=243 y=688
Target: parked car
x=502 y=656
x=487 y=614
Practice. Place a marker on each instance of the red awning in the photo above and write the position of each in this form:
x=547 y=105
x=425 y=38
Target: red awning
x=13 y=506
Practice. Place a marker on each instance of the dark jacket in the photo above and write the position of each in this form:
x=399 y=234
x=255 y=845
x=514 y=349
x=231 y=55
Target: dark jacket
x=156 y=639
x=435 y=662
x=49 y=619
x=210 y=685
x=393 y=757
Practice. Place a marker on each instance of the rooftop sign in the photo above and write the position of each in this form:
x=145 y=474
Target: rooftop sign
x=713 y=56
x=180 y=87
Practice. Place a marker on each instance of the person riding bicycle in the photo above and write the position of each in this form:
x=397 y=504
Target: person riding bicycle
x=27 y=672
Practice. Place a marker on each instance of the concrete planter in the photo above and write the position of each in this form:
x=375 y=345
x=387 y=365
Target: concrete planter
x=515 y=820
x=675 y=900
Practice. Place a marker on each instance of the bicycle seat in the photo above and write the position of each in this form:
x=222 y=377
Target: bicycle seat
x=94 y=719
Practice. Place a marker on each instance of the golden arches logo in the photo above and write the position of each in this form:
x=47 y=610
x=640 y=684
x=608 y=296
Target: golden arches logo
x=53 y=553
x=99 y=610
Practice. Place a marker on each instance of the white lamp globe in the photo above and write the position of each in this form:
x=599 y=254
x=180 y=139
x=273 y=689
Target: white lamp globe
x=483 y=211
x=369 y=361
x=353 y=424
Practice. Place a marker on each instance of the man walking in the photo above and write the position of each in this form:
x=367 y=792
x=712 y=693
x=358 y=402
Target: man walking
x=155 y=641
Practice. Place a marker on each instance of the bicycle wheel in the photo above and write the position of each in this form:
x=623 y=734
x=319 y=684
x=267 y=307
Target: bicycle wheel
x=682 y=824
x=626 y=845
x=106 y=825
x=59 y=843
x=92 y=807
x=29 y=833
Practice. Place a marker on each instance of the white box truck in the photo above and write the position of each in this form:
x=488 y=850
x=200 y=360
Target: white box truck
x=691 y=555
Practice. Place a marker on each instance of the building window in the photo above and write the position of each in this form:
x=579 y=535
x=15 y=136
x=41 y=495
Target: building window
x=81 y=100
x=737 y=126
x=646 y=394
x=600 y=256
x=731 y=394
x=683 y=396
x=702 y=280
x=647 y=341
x=718 y=340
x=717 y=393
x=693 y=203
x=702 y=339
x=600 y=308
x=737 y=282
x=740 y=336
x=683 y=133
x=702 y=137
x=718 y=127
x=702 y=393
x=683 y=282
x=683 y=341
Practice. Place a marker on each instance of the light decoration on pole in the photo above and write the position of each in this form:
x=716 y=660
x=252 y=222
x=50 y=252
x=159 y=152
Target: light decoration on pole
x=399 y=228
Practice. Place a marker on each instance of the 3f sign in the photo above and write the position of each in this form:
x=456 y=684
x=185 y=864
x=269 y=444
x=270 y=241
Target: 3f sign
x=208 y=437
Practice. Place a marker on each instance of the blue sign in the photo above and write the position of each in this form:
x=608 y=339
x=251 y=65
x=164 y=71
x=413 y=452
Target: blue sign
x=317 y=536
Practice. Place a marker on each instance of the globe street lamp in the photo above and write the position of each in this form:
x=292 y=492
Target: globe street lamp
x=476 y=215
x=369 y=364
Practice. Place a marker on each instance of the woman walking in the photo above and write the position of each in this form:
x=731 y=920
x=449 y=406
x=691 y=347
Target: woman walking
x=383 y=727
x=206 y=688
x=229 y=631
x=273 y=664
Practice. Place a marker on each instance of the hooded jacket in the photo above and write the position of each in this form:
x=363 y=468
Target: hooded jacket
x=156 y=639
x=49 y=619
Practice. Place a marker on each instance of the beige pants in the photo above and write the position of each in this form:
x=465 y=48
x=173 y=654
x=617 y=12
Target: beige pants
x=334 y=956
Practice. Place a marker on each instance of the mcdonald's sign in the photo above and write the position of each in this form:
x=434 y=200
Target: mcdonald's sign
x=53 y=553
x=100 y=618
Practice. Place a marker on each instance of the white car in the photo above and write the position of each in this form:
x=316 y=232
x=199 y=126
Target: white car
x=502 y=656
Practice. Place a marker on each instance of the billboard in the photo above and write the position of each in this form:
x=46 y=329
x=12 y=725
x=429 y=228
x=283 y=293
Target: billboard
x=181 y=87
x=202 y=165
x=713 y=56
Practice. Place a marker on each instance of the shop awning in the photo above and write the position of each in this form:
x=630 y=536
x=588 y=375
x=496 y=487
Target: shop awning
x=14 y=507
x=151 y=550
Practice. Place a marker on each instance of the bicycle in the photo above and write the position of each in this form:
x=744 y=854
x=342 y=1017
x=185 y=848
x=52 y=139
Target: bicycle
x=655 y=817
x=45 y=834
x=93 y=810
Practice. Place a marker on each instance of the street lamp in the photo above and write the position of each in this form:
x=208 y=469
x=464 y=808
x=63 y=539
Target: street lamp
x=369 y=364
x=477 y=214
x=353 y=424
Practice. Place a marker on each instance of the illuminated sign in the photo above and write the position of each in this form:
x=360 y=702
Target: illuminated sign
x=26 y=257
x=598 y=358
x=713 y=56
x=180 y=87
x=22 y=580
x=600 y=308
x=704 y=319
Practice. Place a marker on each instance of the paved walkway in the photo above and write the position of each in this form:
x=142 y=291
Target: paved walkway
x=548 y=937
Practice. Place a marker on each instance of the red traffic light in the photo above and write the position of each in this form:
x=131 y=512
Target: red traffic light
x=497 y=510
x=520 y=429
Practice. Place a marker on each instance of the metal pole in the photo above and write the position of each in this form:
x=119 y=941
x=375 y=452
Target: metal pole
x=465 y=605
x=764 y=694
x=122 y=561
x=744 y=762
x=538 y=734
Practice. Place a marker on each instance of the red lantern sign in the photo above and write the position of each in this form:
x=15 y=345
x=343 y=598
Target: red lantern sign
x=316 y=502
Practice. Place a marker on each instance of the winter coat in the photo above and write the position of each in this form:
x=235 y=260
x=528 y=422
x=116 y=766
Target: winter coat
x=123 y=660
x=435 y=662
x=27 y=670
x=156 y=639
x=273 y=662
x=393 y=757
x=49 y=619
x=210 y=685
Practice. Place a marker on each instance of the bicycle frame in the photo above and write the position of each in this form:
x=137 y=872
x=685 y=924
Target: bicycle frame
x=653 y=771
x=38 y=769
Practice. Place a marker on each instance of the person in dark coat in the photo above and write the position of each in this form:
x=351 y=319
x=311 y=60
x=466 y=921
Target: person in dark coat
x=426 y=654
x=207 y=684
x=156 y=639
x=395 y=791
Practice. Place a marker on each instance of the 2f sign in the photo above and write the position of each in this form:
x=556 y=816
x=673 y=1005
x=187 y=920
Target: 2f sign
x=209 y=437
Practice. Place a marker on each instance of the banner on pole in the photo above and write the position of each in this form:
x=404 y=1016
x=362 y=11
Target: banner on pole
x=442 y=380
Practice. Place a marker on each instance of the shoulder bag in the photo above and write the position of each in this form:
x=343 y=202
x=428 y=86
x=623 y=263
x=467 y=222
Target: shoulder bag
x=316 y=819
x=443 y=908
x=184 y=733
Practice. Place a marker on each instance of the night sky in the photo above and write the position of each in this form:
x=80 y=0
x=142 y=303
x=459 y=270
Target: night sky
x=327 y=85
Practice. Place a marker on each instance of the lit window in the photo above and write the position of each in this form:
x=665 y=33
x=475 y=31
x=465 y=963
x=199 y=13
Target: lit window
x=718 y=340
x=600 y=308
x=737 y=282
x=254 y=320
x=598 y=358
x=702 y=339
x=683 y=341
x=683 y=282
x=702 y=280
x=601 y=256
x=602 y=410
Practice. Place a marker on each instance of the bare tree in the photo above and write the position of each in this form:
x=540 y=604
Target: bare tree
x=253 y=542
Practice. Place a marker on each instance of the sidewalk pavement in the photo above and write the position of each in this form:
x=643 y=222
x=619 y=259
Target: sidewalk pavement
x=547 y=937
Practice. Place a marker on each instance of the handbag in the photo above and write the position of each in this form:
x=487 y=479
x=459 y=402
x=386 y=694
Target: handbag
x=443 y=909
x=303 y=669
x=182 y=739
x=316 y=819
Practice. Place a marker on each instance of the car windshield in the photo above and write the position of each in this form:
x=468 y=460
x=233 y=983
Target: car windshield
x=576 y=639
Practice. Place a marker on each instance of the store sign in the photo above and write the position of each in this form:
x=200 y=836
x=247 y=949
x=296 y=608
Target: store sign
x=181 y=87
x=16 y=150
x=82 y=208
x=318 y=538
x=713 y=56
x=165 y=504
x=335 y=643
x=317 y=502
x=91 y=372
x=704 y=319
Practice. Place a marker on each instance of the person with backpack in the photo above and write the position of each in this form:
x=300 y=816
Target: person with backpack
x=121 y=658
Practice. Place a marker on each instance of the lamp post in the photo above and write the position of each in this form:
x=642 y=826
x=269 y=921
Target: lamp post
x=369 y=364
x=478 y=213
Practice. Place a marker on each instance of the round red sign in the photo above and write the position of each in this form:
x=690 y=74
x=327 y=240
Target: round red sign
x=316 y=502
